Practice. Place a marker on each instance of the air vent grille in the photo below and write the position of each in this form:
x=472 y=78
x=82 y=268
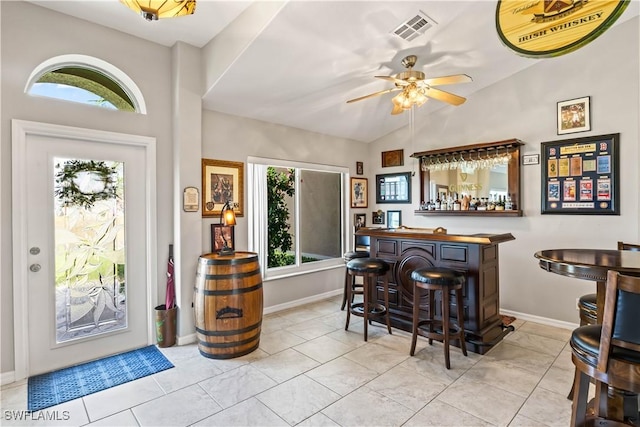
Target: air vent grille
x=414 y=27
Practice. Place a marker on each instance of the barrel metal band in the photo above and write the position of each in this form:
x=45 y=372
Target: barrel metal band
x=229 y=332
x=226 y=261
x=229 y=291
x=226 y=344
x=228 y=276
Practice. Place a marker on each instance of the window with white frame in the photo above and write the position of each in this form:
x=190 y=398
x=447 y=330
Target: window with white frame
x=87 y=80
x=297 y=215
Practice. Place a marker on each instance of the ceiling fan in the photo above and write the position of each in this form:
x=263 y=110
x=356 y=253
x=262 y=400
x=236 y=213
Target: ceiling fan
x=415 y=89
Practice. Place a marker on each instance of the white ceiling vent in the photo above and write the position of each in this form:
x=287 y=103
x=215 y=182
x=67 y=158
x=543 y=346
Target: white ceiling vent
x=414 y=26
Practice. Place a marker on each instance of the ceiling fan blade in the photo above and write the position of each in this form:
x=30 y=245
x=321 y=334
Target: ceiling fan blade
x=396 y=109
x=441 y=95
x=371 y=95
x=447 y=80
x=393 y=79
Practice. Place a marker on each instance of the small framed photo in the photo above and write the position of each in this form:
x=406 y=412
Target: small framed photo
x=394 y=219
x=359 y=220
x=220 y=233
x=359 y=168
x=377 y=217
x=359 y=191
x=190 y=199
x=574 y=115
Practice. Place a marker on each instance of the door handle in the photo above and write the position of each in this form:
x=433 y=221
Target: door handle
x=35 y=267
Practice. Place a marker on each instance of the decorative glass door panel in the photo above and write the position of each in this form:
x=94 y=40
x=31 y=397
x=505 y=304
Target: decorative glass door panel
x=89 y=223
x=84 y=243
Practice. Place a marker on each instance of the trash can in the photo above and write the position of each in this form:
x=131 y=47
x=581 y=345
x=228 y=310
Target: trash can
x=165 y=326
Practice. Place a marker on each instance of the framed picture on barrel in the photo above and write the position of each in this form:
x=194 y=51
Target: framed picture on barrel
x=220 y=233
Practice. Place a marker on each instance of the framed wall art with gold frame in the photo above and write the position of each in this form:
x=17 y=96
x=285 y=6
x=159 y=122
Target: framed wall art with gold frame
x=222 y=181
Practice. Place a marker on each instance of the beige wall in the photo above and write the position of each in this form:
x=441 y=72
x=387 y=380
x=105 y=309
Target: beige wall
x=31 y=35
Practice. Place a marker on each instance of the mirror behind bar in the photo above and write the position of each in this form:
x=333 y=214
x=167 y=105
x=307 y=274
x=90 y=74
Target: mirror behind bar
x=483 y=172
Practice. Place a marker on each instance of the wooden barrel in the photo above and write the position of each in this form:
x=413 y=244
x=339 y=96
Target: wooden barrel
x=228 y=304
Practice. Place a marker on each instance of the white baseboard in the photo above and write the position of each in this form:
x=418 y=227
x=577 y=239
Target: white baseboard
x=187 y=339
x=542 y=320
x=7 y=378
x=302 y=301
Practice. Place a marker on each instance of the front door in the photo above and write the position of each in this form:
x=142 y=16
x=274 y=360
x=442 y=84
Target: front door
x=86 y=248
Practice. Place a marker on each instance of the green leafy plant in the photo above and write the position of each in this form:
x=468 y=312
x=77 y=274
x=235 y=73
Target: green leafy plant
x=279 y=186
x=70 y=192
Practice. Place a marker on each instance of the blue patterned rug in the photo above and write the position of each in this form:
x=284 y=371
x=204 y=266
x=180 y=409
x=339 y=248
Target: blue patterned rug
x=71 y=383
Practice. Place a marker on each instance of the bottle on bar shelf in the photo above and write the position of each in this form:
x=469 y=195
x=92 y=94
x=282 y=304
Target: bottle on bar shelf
x=481 y=206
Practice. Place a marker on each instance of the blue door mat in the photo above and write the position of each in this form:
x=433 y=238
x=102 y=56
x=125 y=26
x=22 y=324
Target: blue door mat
x=56 y=387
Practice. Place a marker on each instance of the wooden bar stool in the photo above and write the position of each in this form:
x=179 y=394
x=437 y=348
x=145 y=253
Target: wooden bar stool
x=588 y=308
x=370 y=269
x=444 y=280
x=349 y=280
x=609 y=354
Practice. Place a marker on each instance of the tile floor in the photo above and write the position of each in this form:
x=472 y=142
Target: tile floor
x=309 y=371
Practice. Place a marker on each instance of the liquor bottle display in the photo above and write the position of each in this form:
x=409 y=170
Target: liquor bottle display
x=478 y=179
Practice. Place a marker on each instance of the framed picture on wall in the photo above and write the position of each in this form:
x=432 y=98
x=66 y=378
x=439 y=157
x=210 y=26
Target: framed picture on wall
x=394 y=219
x=377 y=217
x=574 y=115
x=393 y=188
x=359 y=220
x=222 y=182
x=580 y=176
x=359 y=191
x=392 y=158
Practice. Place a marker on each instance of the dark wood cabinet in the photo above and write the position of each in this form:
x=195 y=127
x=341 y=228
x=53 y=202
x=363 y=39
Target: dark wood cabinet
x=477 y=256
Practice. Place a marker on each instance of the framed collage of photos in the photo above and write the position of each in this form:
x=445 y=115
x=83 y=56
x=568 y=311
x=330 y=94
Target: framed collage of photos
x=581 y=175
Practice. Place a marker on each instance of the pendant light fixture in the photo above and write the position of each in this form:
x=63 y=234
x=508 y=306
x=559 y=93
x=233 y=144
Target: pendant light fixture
x=152 y=10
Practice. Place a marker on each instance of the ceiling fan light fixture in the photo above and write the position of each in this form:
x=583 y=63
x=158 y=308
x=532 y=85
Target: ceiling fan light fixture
x=415 y=89
x=152 y=10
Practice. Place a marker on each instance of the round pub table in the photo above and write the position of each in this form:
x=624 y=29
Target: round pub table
x=593 y=264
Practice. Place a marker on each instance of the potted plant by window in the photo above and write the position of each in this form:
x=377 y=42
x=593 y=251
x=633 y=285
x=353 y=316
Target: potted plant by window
x=166 y=313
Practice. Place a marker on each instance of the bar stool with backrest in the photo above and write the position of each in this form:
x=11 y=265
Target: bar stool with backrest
x=361 y=250
x=609 y=354
x=370 y=269
x=587 y=304
x=444 y=280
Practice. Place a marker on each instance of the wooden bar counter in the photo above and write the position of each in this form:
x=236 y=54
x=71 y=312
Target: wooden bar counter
x=476 y=255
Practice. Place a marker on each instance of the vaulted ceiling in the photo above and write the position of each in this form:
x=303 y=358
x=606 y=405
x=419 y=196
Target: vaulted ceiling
x=312 y=56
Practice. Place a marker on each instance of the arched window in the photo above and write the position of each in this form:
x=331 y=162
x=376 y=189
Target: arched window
x=86 y=80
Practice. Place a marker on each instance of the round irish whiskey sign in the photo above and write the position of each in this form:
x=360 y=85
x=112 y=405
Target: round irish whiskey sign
x=545 y=28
